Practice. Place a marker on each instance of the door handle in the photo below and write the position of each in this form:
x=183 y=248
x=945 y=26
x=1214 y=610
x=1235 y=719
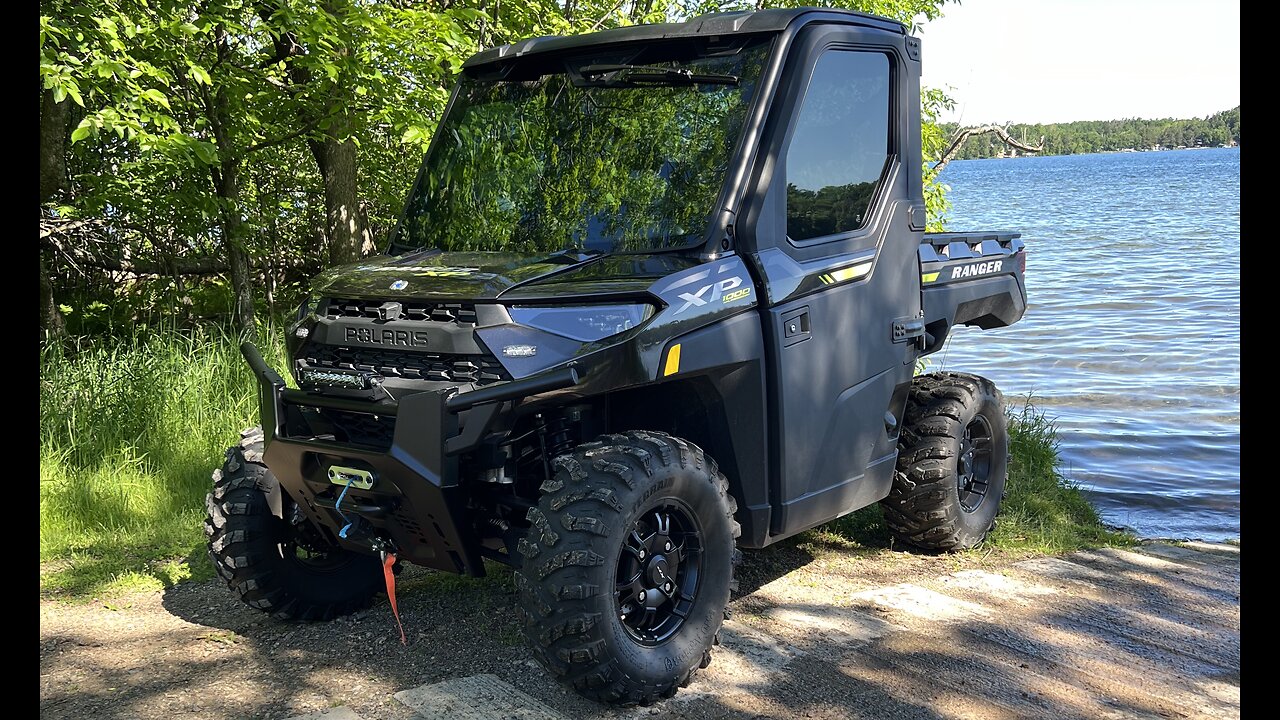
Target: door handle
x=907 y=329
x=795 y=326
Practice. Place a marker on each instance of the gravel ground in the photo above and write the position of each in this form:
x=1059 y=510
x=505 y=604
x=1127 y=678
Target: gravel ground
x=192 y=650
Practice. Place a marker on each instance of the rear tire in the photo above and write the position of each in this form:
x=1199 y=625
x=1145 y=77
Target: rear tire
x=257 y=552
x=628 y=566
x=953 y=462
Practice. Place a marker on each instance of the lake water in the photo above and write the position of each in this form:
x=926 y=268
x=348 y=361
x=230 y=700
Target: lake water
x=1132 y=333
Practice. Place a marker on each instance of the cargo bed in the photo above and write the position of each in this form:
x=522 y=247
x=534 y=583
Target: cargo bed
x=971 y=278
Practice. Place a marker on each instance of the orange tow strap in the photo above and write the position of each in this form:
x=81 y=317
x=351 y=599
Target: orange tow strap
x=391 y=591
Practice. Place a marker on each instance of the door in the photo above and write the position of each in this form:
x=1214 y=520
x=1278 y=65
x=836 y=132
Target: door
x=841 y=268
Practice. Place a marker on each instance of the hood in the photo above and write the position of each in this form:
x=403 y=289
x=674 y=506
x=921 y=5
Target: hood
x=436 y=275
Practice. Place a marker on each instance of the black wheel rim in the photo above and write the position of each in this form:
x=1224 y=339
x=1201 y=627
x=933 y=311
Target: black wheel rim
x=974 y=472
x=658 y=569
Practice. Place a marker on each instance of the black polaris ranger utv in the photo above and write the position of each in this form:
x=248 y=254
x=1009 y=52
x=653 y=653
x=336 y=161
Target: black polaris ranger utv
x=657 y=293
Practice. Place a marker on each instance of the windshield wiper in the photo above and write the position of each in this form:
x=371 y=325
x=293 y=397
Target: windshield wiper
x=573 y=255
x=629 y=74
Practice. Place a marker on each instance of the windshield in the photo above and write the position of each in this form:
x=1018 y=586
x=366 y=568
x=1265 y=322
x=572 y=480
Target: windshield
x=602 y=154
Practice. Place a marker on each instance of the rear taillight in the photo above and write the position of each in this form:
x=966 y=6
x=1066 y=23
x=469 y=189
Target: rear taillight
x=1022 y=262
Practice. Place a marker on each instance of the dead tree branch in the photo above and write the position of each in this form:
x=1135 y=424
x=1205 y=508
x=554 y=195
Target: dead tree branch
x=55 y=227
x=965 y=133
x=86 y=251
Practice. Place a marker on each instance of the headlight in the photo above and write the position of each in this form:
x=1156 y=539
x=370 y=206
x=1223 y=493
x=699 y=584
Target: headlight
x=587 y=323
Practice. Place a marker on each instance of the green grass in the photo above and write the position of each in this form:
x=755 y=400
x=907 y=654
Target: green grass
x=1043 y=511
x=130 y=431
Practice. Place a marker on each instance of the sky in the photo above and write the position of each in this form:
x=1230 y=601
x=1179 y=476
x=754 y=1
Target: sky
x=1042 y=61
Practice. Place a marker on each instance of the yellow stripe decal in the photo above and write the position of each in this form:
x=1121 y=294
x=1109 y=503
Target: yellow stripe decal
x=853 y=272
x=929 y=277
x=673 y=361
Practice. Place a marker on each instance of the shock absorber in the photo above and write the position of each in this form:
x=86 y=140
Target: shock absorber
x=559 y=436
x=555 y=437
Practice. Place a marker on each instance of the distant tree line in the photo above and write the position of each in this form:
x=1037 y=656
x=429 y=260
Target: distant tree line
x=1088 y=136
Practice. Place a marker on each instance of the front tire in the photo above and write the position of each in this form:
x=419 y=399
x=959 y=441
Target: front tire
x=953 y=463
x=628 y=566
x=282 y=568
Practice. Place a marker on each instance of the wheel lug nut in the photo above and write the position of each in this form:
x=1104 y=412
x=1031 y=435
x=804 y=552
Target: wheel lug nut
x=667 y=587
x=667 y=547
x=642 y=554
x=640 y=597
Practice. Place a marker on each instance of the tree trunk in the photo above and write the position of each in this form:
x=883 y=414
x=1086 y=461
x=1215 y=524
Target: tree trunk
x=237 y=256
x=639 y=9
x=53 y=140
x=348 y=228
x=52 y=324
x=226 y=179
x=53 y=176
x=347 y=234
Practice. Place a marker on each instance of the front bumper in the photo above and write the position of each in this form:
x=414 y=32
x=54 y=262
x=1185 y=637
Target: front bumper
x=416 y=499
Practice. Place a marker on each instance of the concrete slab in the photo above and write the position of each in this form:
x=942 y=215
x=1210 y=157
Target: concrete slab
x=338 y=713
x=908 y=601
x=1222 y=548
x=476 y=697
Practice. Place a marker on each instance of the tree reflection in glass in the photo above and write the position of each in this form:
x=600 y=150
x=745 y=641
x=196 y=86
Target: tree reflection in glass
x=607 y=162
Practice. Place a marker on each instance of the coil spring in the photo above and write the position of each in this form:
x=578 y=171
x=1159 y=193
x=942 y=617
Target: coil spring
x=557 y=437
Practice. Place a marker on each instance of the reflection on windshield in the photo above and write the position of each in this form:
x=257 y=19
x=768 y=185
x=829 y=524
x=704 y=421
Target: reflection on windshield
x=538 y=166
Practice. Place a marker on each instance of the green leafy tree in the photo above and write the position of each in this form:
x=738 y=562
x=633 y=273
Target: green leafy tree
x=232 y=148
x=933 y=142
x=183 y=104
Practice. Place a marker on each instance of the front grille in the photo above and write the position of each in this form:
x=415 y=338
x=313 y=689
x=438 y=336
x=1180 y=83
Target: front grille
x=461 y=313
x=355 y=428
x=478 y=369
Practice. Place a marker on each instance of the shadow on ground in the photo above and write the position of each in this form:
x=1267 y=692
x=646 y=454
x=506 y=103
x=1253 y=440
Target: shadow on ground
x=1098 y=637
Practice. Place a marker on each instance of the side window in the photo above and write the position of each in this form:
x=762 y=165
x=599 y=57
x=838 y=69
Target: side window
x=840 y=145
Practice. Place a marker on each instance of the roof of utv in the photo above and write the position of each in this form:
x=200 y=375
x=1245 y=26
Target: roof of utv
x=728 y=23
